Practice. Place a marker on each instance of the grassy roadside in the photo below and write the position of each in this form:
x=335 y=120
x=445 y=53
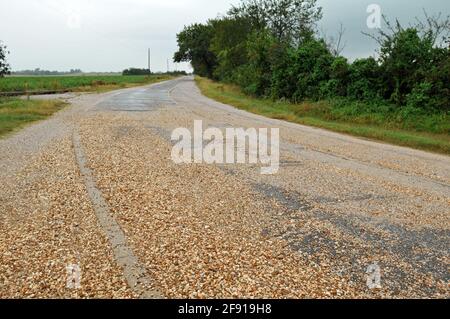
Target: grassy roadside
x=16 y=113
x=77 y=83
x=313 y=114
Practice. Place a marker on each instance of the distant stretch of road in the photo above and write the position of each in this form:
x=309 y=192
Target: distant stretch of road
x=92 y=205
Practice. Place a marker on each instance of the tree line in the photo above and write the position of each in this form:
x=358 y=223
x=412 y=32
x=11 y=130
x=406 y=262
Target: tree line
x=39 y=72
x=271 y=49
x=137 y=71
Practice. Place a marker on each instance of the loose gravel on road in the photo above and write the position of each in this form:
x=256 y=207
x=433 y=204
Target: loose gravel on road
x=338 y=205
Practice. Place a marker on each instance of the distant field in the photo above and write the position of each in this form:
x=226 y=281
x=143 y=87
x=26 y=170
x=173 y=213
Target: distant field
x=75 y=83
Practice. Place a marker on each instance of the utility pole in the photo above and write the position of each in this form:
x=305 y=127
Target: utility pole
x=167 y=65
x=149 y=61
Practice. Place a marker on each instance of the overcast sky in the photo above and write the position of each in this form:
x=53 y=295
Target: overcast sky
x=111 y=35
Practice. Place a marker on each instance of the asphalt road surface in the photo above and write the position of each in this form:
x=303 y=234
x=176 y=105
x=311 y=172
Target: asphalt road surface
x=91 y=205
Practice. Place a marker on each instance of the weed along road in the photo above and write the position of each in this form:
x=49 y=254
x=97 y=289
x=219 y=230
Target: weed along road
x=93 y=205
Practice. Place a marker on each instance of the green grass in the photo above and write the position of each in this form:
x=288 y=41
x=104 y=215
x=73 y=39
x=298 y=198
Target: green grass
x=76 y=83
x=381 y=123
x=16 y=113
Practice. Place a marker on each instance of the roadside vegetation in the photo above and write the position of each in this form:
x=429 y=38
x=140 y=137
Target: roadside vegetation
x=270 y=59
x=15 y=113
x=427 y=132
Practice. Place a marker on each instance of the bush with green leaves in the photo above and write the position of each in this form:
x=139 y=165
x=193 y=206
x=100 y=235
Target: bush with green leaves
x=364 y=80
x=339 y=79
x=301 y=71
x=256 y=77
x=404 y=59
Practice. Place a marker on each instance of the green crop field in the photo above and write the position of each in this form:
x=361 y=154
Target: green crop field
x=74 y=83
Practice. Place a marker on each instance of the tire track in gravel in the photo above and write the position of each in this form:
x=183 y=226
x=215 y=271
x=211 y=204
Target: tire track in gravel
x=134 y=273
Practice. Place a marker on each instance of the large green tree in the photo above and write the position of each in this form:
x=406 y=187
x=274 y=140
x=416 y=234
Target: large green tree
x=263 y=51
x=229 y=45
x=290 y=21
x=194 y=46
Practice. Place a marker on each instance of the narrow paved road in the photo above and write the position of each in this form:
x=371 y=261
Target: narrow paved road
x=95 y=186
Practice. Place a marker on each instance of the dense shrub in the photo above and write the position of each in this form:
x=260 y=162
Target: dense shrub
x=256 y=76
x=364 y=79
x=339 y=79
x=301 y=71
